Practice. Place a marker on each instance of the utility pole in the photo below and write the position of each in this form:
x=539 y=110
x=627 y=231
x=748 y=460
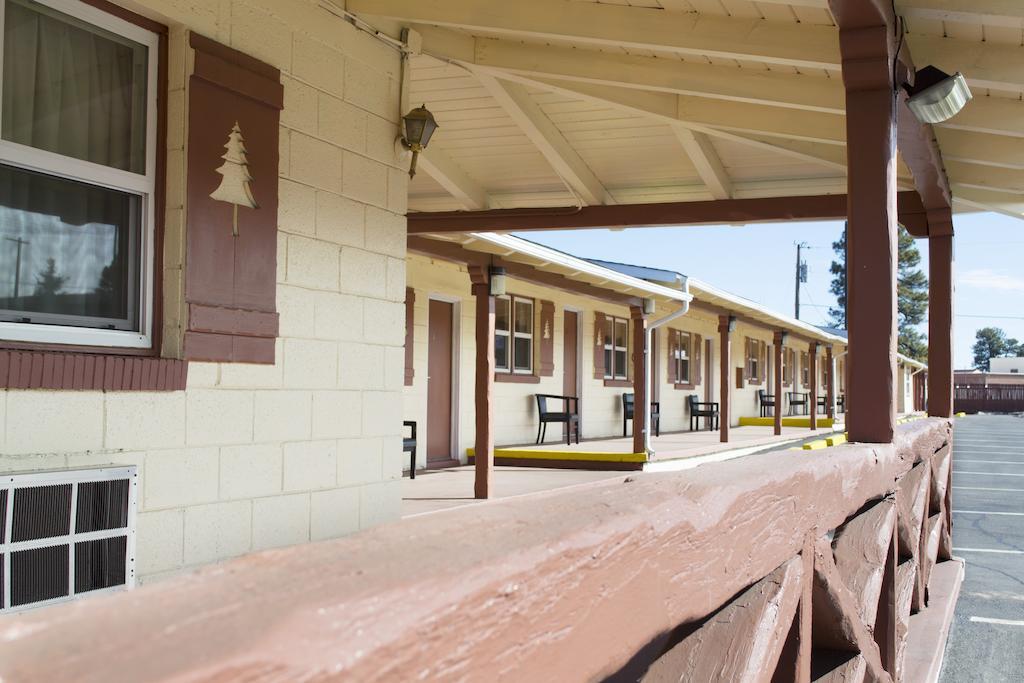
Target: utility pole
x=801 y=276
x=17 y=261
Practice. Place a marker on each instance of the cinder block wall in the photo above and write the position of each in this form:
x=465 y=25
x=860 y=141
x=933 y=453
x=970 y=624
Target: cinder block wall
x=252 y=457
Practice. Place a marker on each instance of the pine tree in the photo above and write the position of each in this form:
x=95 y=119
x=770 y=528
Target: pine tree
x=912 y=294
x=234 y=186
x=48 y=283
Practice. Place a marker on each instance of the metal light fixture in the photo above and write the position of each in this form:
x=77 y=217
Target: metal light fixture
x=419 y=126
x=936 y=96
x=648 y=305
x=497 y=277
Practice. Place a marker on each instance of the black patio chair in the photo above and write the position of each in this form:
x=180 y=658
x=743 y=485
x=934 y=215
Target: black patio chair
x=569 y=416
x=706 y=409
x=627 y=413
x=797 y=400
x=841 y=403
x=823 y=404
x=766 y=401
x=409 y=446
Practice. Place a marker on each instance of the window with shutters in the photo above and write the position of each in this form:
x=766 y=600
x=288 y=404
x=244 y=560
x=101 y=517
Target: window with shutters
x=513 y=335
x=683 y=357
x=616 y=348
x=754 y=360
x=65 y=534
x=805 y=369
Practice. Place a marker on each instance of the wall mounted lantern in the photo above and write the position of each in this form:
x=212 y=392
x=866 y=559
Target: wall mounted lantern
x=648 y=305
x=419 y=126
x=497 y=279
x=936 y=96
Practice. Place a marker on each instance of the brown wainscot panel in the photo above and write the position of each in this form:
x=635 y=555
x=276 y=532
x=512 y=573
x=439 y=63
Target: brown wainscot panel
x=90 y=372
x=231 y=276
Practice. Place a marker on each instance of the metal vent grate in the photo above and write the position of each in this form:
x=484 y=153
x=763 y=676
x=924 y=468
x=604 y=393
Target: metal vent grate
x=64 y=533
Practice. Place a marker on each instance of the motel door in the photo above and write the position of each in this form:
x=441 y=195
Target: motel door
x=570 y=356
x=439 y=382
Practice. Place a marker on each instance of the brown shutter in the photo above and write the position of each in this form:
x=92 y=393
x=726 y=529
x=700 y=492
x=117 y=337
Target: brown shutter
x=697 y=346
x=673 y=344
x=764 y=363
x=410 y=307
x=598 y=341
x=547 y=339
x=746 y=358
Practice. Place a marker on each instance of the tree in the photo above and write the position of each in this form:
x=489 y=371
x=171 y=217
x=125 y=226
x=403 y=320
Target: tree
x=912 y=294
x=992 y=342
x=234 y=186
x=48 y=283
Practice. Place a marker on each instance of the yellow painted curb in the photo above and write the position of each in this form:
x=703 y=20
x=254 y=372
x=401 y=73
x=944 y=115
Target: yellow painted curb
x=593 y=456
x=794 y=421
x=961 y=414
x=836 y=440
x=816 y=445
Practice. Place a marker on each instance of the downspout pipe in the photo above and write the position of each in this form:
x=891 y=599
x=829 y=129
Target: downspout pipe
x=648 y=384
x=835 y=392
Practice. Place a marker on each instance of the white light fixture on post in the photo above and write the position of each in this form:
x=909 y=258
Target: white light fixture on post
x=936 y=96
x=419 y=126
x=648 y=305
x=497 y=280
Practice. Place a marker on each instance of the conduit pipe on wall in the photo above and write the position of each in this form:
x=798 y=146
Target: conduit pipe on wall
x=648 y=384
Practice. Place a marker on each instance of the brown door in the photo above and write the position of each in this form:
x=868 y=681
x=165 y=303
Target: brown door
x=439 y=382
x=570 y=355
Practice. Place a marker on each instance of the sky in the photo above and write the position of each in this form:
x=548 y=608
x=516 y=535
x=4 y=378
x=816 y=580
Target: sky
x=758 y=262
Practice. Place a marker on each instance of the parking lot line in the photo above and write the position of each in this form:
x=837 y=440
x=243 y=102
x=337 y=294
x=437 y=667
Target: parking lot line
x=988 y=550
x=977 y=512
x=1004 y=622
x=990 y=474
x=983 y=488
x=994 y=462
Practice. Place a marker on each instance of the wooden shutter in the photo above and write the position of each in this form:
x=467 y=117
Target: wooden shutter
x=410 y=315
x=746 y=358
x=697 y=347
x=673 y=344
x=763 y=372
x=599 y=326
x=547 y=338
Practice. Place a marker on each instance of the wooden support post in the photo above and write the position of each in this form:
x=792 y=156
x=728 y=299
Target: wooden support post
x=871 y=233
x=940 y=326
x=726 y=324
x=778 y=342
x=484 y=387
x=812 y=371
x=830 y=381
x=640 y=415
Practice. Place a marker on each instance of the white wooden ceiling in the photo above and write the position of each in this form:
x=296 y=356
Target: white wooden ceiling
x=560 y=102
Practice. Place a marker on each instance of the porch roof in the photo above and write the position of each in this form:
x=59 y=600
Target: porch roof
x=588 y=103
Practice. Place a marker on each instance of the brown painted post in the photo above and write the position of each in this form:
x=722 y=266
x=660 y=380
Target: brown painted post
x=725 y=325
x=812 y=371
x=871 y=232
x=830 y=380
x=940 y=326
x=639 y=388
x=484 y=388
x=779 y=342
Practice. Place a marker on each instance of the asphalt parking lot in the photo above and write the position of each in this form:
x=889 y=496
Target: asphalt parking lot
x=986 y=642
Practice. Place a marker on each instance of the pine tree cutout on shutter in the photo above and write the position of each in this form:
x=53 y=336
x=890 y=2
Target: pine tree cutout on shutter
x=599 y=323
x=235 y=188
x=697 y=371
x=673 y=344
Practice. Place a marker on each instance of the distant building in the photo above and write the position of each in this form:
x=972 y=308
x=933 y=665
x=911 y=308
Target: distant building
x=1011 y=366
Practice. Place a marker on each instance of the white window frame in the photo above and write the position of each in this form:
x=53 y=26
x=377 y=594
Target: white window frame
x=507 y=367
x=60 y=166
x=511 y=334
x=688 y=348
x=754 y=359
x=613 y=372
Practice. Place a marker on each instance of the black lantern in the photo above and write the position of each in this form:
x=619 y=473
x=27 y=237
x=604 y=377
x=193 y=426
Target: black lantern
x=419 y=127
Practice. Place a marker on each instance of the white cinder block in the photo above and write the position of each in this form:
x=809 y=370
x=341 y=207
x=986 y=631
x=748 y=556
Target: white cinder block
x=310 y=465
x=260 y=34
x=145 y=420
x=394 y=368
x=384 y=322
x=398 y=190
x=338 y=316
x=215 y=416
x=380 y=139
x=342 y=124
x=54 y=421
x=337 y=414
x=296 y=209
x=254 y=375
x=395 y=280
x=339 y=220
x=363 y=272
x=300 y=106
x=203 y=375
x=379 y=503
x=282 y=415
x=386 y=232
x=180 y=477
x=360 y=366
x=314 y=162
x=159 y=541
x=394 y=459
x=312 y=263
x=295 y=308
x=381 y=413
x=363 y=179
x=334 y=513
x=217 y=531
x=370 y=89
x=318 y=64
x=280 y=521
x=250 y=471
x=310 y=364
x=359 y=461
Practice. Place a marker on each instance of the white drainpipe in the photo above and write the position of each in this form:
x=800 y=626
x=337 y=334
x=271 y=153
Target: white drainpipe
x=647 y=367
x=835 y=392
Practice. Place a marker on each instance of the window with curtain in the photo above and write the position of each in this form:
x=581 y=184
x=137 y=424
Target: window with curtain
x=513 y=334
x=753 y=359
x=76 y=175
x=683 y=352
x=805 y=369
x=616 y=348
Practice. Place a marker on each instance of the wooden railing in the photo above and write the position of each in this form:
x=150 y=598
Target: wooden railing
x=724 y=572
x=993 y=398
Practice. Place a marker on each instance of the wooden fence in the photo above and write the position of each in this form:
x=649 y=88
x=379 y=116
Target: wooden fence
x=993 y=398
x=763 y=568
